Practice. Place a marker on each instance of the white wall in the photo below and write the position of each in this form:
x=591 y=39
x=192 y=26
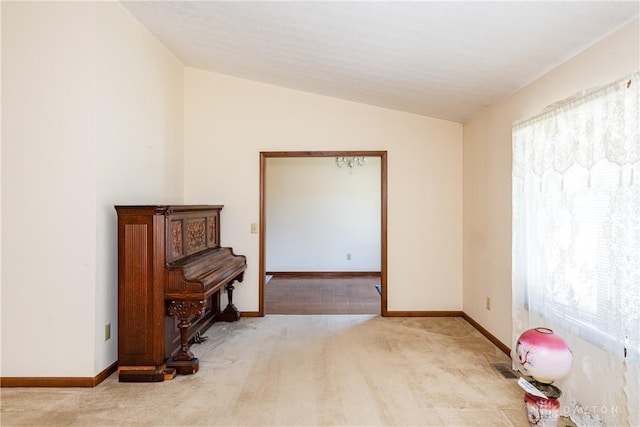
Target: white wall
x=140 y=149
x=316 y=213
x=0 y=188
x=49 y=189
x=229 y=121
x=487 y=178
x=487 y=171
x=92 y=116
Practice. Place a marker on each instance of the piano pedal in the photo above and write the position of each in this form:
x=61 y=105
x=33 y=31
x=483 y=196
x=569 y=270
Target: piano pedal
x=198 y=339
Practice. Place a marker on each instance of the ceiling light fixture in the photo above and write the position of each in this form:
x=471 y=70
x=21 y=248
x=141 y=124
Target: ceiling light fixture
x=351 y=162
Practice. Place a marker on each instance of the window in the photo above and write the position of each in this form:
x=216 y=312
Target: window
x=576 y=229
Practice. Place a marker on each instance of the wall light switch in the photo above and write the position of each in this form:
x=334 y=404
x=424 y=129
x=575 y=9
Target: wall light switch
x=254 y=228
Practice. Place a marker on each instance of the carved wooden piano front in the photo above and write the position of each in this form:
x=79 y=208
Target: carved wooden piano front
x=171 y=272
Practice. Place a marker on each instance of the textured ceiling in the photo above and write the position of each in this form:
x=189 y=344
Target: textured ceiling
x=441 y=59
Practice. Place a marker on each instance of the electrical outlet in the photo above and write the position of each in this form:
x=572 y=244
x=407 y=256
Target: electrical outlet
x=348 y=257
x=107 y=331
x=488 y=303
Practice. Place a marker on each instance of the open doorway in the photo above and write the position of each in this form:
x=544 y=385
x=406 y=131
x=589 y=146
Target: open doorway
x=380 y=161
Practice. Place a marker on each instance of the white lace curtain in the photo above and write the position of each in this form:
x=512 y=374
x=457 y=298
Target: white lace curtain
x=576 y=244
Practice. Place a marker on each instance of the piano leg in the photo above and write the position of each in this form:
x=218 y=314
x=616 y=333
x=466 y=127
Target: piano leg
x=230 y=313
x=185 y=362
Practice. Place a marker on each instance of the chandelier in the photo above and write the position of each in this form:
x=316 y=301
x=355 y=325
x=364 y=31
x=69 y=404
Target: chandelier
x=351 y=162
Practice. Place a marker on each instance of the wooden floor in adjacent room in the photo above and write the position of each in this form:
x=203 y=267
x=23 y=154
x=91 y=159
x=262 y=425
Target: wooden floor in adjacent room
x=304 y=295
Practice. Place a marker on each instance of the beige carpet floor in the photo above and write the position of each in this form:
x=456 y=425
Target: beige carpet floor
x=313 y=370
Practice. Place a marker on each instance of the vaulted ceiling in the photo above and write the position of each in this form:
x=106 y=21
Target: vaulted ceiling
x=443 y=59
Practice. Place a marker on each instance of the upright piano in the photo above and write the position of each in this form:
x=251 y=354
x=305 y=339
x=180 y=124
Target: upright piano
x=171 y=273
